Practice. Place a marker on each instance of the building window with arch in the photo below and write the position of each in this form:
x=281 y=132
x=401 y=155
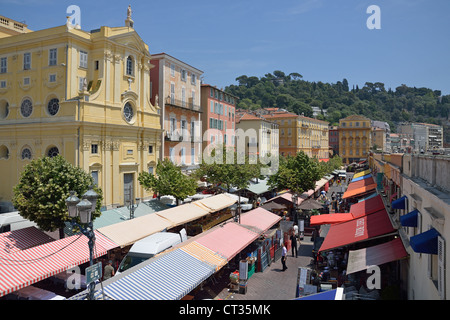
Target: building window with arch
x=130 y=64
x=26 y=153
x=128 y=111
x=26 y=108
x=53 y=106
x=4 y=152
x=4 y=109
x=52 y=152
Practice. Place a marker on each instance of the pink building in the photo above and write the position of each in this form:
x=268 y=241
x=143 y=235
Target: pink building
x=218 y=116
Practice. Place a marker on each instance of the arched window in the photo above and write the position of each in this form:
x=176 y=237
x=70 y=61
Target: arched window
x=4 y=152
x=128 y=112
x=52 y=152
x=4 y=109
x=130 y=64
x=26 y=153
x=53 y=106
x=26 y=108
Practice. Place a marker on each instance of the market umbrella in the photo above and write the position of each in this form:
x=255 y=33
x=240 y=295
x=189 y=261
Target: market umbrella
x=310 y=204
x=273 y=206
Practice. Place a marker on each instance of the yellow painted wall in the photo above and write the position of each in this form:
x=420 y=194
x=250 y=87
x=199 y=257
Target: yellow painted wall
x=84 y=118
x=313 y=137
x=354 y=138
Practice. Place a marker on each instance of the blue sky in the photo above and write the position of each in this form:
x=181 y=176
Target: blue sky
x=324 y=40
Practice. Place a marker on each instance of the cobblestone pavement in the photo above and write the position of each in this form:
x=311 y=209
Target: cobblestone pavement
x=271 y=284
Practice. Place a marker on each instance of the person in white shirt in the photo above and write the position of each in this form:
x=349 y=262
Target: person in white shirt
x=283 y=257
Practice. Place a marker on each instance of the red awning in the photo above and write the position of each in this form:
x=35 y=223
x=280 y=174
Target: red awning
x=356 y=230
x=366 y=207
x=22 y=239
x=259 y=218
x=23 y=268
x=330 y=218
x=362 y=259
x=228 y=240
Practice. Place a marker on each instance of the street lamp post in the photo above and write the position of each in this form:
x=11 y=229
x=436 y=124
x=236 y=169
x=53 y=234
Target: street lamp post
x=84 y=210
x=294 y=206
x=236 y=213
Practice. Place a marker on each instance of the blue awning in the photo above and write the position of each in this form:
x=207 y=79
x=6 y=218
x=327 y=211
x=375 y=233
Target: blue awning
x=399 y=203
x=368 y=197
x=335 y=294
x=170 y=277
x=362 y=177
x=410 y=219
x=426 y=242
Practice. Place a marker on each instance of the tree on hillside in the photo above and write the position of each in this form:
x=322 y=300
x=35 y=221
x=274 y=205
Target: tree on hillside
x=43 y=188
x=277 y=89
x=169 y=180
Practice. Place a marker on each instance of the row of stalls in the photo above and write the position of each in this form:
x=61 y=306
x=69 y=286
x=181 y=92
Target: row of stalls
x=359 y=250
x=231 y=250
x=36 y=266
x=179 y=273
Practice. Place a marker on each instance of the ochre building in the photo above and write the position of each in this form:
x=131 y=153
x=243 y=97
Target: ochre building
x=82 y=94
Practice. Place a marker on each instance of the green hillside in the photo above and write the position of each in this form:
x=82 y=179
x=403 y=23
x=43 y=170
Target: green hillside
x=338 y=100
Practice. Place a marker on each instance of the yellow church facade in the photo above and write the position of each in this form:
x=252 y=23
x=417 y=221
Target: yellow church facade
x=84 y=95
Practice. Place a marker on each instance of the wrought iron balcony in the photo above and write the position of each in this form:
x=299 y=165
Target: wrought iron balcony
x=178 y=136
x=189 y=105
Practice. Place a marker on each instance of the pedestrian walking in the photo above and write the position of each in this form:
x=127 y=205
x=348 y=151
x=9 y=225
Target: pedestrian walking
x=294 y=244
x=283 y=257
x=109 y=271
x=295 y=228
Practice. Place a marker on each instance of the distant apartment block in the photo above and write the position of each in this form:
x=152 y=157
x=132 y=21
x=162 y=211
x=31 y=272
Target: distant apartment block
x=261 y=135
x=218 y=116
x=426 y=137
x=384 y=145
x=299 y=133
x=355 y=138
x=175 y=87
x=379 y=140
x=333 y=139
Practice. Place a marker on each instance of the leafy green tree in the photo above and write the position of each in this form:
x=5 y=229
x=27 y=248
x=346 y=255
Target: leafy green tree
x=169 y=180
x=295 y=76
x=43 y=188
x=299 y=174
x=302 y=108
x=227 y=169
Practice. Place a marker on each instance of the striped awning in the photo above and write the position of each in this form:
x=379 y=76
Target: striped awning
x=170 y=277
x=22 y=239
x=362 y=259
x=259 y=218
x=23 y=268
x=204 y=254
x=228 y=240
